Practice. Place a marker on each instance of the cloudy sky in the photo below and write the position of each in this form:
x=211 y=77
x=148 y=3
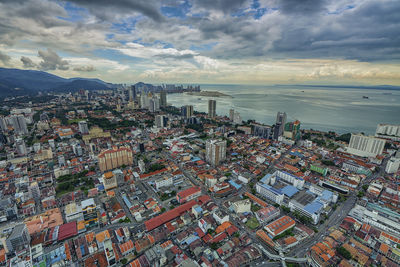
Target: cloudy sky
x=206 y=41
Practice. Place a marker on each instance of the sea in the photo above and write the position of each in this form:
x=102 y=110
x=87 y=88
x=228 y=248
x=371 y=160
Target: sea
x=340 y=109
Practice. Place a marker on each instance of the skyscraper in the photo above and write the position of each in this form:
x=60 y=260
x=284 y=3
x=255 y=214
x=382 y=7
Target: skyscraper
x=114 y=158
x=365 y=146
x=280 y=124
x=292 y=130
x=163 y=99
x=132 y=93
x=19 y=124
x=21 y=147
x=212 y=106
x=3 y=124
x=262 y=131
x=160 y=121
x=19 y=238
x=215 y=151
x=83 y=127
x=154 y=104
x=231 y=114
x=187 y=111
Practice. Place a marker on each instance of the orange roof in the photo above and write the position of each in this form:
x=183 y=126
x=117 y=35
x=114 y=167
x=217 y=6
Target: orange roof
x=280 y=225
x=47 y=219
x=263 y=235
x=256 y=199
x=111 y=193
x=290 y=168
x=290 y=240
x=81 y=225
x=89 y=237
x=67 y=251
x=108 y=175
x=223 y=227
x=100 y=237
x=127 y=246
x=384 y=248
x=166 y=244
x=2 y=255
x=135 y=263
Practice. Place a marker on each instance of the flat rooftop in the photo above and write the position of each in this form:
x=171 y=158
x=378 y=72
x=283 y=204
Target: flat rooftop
x=304 y=198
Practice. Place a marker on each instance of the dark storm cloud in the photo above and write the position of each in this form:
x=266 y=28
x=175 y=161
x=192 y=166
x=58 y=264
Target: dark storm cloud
x=368 y=32
x=89 y=68
x=52 y=61
x=4 y=58
x=225 y=6
x=302 y=7
x=28 y=63
x=108 y=9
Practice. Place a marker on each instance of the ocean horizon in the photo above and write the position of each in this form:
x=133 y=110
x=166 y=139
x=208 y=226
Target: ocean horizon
x=321 y=107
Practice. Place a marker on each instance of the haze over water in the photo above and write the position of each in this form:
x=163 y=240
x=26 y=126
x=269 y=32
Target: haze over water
x=338 y=109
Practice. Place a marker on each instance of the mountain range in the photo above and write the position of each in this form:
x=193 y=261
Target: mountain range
x=22 y=82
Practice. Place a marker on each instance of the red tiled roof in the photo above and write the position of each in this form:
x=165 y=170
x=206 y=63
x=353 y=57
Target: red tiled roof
x=67 y=230
x=188 y=192
x=169 y=215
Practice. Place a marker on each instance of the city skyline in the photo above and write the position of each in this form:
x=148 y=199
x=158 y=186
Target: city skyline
x=234 y=42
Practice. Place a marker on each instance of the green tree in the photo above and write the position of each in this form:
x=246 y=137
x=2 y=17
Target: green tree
x=344 y=253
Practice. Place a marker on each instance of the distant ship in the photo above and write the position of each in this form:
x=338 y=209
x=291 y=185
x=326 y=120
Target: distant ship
x=302 y=91
x=365 y=97
x=199 y=98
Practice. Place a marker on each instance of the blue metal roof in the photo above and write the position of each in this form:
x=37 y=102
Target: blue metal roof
x=294 y=176
x=265 y=178
x=196 y=159
x=326 y=195
x=273 y=190
x=289 y=190
x=198 y=209
x=191 y=239
x=297 y=154
x=235 y=185
x=313 y=207
x=127 y=202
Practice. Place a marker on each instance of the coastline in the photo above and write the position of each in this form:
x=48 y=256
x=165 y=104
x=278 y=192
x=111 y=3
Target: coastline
x=209 y=94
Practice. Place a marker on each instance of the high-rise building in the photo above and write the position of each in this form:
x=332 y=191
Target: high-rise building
x=292 y=130
x=109 y=181
x=18 y=239
x=19 y=124
x=215 y=151
x=132 y=93
x=21 y=147
x=393 y=165
x=279 y=124
x=3 y=124
x=231 y=114
x=365 y=146
x=89 y=210
x=141 y=147
x=144 y=101
x=34 y=190
x=163 y=99
x=388 y=129
x=212 y=106
x=262 y=131
x=114 y=158
x=3 y=139
x=237 y=119
x=154 y=104
x=83 y=127
x=187 y=111
x=161 y=121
